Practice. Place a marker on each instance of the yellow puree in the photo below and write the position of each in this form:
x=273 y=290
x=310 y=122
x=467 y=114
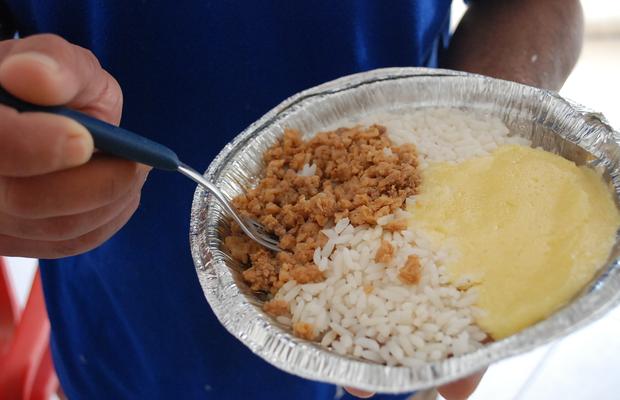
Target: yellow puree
x=530 y=225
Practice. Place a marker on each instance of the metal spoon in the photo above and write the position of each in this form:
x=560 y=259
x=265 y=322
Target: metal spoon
x=129 y=145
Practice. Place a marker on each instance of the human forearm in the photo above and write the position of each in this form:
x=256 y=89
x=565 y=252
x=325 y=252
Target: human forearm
x=536 y=42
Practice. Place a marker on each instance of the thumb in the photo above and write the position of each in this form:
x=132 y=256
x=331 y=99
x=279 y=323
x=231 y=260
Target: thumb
x=362 y=394
x=48 y=70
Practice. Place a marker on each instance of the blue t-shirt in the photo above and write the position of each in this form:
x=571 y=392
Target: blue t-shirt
x=129 y=319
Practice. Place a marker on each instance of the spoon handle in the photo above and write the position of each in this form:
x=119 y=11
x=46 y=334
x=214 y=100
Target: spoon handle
x=107 y=137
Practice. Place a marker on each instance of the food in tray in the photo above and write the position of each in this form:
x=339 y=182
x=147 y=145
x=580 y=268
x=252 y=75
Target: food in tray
x=412 y=237
x=527 y=227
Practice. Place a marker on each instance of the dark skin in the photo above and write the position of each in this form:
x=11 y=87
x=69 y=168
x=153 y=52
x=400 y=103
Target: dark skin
x=536 y=42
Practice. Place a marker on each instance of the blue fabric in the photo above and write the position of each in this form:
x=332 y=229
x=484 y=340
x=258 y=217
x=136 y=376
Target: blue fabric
x=129 y=319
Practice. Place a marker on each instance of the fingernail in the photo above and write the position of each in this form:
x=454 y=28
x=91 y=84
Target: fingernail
x=78 y=146
x=32 y=57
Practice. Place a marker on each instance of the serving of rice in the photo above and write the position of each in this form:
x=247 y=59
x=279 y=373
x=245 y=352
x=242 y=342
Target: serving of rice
x=363 y=309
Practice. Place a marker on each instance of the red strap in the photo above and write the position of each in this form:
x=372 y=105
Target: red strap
x=45 y=382
x=9 y=312
x=25 y=356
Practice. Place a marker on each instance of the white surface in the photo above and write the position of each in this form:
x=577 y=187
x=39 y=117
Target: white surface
x=582 y=366
x=601 y=12
x=594 y=82
x=21 y=274
x=505 y=380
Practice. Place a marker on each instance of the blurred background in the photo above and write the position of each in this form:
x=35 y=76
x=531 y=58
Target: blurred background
x=585 y=364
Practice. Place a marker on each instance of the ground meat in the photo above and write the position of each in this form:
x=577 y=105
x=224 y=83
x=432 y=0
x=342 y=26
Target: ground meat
x=304 y=330
x=276 y=308
x=385 y=252
x=411 y=272
x=358 y=174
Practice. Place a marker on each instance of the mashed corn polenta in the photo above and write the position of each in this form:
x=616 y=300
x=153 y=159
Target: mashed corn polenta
x=531 y=227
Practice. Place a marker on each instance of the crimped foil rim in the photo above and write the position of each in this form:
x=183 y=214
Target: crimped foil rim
x=308 y=360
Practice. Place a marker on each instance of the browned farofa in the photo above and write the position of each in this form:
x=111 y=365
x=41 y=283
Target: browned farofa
x=359 y=175
x=276 y=307
x=385 y=252
x=396 y=226
x=304 y=330
x=412 y=271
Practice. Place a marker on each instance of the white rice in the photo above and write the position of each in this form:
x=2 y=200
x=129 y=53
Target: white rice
x=307 y=170
x=397 y=323
x=444 y=134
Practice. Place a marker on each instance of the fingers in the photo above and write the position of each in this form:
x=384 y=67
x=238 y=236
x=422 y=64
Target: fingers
x=457 y=390
x=48 y=70
x=102 y=181
x=56 y=198
x=362 y=394
x=11 y=246
x=66 y=227
x=461 y=389
x=37 y=143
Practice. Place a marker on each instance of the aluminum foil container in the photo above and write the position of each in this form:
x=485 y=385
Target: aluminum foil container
x=550 y=121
